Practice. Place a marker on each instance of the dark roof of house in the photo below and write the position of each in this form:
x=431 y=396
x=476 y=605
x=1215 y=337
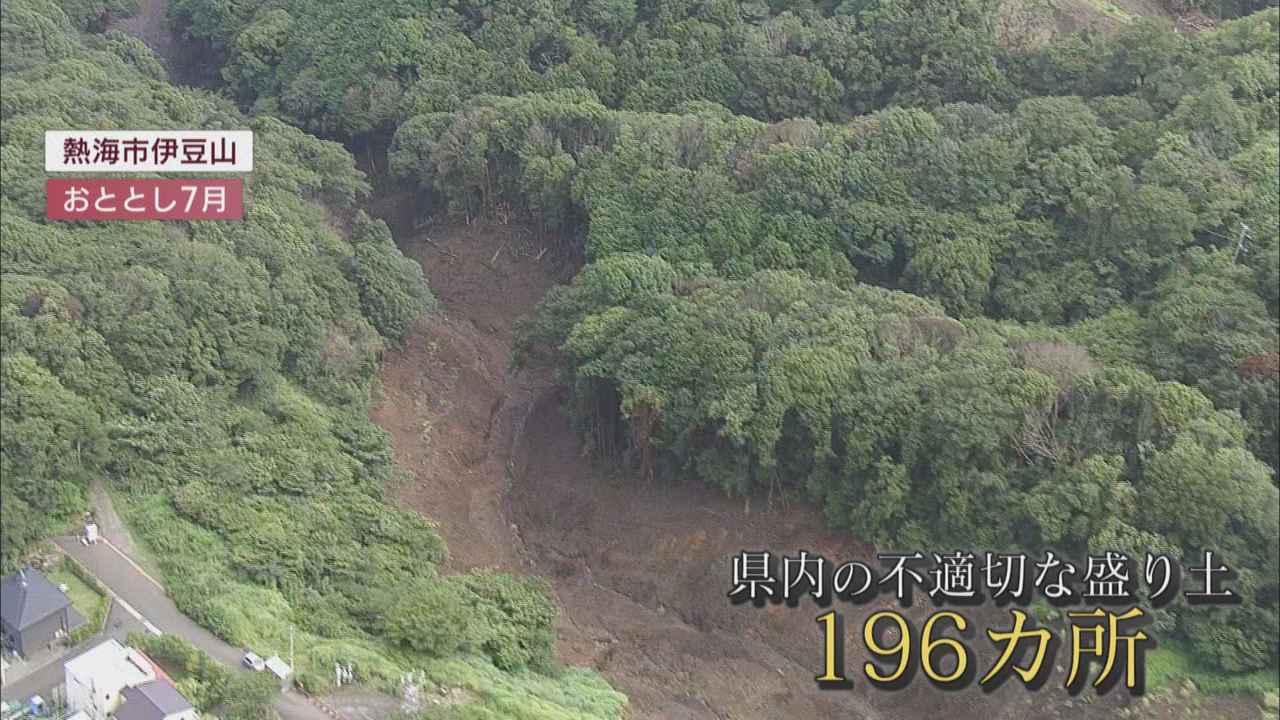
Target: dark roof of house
x=27 y=597
x=152 y=700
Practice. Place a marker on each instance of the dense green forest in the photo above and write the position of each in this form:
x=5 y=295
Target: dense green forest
x=218 y=375
x=1096 y=367
x=1087 y=358
x=1087 y=230
x=961 y=287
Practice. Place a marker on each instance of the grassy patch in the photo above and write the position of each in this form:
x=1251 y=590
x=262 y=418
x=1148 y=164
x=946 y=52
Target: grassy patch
x=201 y=569
x=87 y=601
x=1172 y=664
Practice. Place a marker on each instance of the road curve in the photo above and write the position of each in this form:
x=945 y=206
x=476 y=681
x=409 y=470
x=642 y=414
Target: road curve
x=129 y=583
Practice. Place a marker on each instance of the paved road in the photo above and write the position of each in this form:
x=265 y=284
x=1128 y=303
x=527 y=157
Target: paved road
x=113 y=528
x=43 y=680
x=145 y=594
x=135 y=589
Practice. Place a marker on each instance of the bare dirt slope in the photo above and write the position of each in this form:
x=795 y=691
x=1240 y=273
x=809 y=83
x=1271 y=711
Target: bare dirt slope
x=642 y=574
x=1034 y=22
x=637 y=570
x=640 y=571
x=184 y=60
x=449 y=398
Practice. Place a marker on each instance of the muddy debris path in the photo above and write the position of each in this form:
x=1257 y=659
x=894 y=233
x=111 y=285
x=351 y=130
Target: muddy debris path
x=640 y=577
x=640 y=571
x=449 y=398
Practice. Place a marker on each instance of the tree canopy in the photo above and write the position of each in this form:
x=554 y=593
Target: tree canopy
x=217 y=376
x=959 y=284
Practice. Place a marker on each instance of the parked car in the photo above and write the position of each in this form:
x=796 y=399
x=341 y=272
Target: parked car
x=253 y=662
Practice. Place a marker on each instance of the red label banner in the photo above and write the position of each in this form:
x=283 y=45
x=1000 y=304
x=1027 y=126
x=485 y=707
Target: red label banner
x=147 y=199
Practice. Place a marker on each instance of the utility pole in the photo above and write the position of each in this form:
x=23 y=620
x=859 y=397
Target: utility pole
x=291 y=665
x=1244 y=233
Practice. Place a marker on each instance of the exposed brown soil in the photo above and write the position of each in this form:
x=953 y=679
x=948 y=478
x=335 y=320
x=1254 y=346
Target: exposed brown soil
x=640 y=571
x=449 y=398
x=637 y=570
x=1035 y=22
x=186 y=61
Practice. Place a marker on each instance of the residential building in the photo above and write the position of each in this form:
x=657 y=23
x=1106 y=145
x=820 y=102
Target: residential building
x=155 y=700
x=33 y=612
x=96 y=679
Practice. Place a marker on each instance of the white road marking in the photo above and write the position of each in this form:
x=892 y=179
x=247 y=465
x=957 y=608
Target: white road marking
x=137 y=615
x=129 y=560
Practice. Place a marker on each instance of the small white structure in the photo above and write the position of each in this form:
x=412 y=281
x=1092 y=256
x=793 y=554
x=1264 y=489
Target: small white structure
x=279 y=668
x=97 y=678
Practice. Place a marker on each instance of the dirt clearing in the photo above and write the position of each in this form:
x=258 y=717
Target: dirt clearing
x=640 y=571
x=497 y=467
x=449 y=398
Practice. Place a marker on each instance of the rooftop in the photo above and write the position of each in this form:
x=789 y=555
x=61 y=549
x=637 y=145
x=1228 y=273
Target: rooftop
x=27 y=597
x=111 y=664
x=278 y=667
x=154 y=700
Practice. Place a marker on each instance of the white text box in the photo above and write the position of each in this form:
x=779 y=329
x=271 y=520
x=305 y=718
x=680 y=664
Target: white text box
x=228 y=151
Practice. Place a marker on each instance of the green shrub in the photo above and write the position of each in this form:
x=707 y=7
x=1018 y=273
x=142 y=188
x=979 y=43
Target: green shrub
x=431 y=618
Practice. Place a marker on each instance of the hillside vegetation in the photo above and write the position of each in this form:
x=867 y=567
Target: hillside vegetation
x=1087 y=230
x=1087 y=356
x=963 y=291
x=218 y=374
